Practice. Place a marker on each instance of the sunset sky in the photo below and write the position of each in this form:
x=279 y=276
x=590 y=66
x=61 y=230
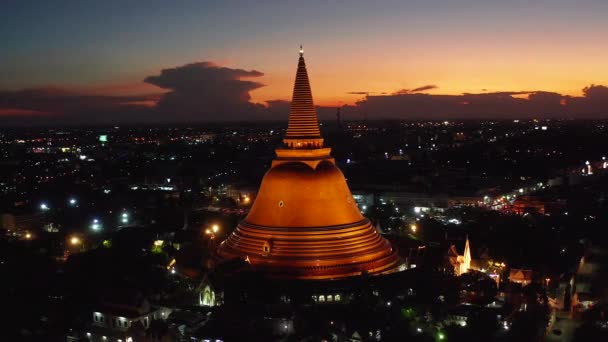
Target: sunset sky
x=101 y=48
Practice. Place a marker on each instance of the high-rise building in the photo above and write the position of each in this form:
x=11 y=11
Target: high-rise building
x=304 y=223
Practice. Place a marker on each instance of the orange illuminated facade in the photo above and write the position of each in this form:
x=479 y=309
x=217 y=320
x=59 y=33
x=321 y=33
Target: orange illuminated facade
x=304 y=222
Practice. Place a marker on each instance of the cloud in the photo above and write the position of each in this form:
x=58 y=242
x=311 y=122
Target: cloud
x=56 y=105
x=415 y=90
x=190 y=93
x=405 y=104
x=424 y=88
x=204 y=91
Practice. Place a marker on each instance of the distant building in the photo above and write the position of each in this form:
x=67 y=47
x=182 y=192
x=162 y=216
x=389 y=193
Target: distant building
x=520 y=276
x=590 y=282
x=122 y=317
x=460 y=262
x=536 y=205
x=463 y=263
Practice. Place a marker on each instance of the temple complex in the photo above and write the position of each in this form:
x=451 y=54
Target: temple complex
x=304 y=223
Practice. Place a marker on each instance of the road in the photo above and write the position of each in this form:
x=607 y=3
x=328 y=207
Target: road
x=560 y=320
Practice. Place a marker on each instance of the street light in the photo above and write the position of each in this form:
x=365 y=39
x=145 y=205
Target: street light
x=124 y=217
x=96 y=225
x=215 y=228
x=44 y=206
x=72 y=201
x=75 y=240
x=413 y=228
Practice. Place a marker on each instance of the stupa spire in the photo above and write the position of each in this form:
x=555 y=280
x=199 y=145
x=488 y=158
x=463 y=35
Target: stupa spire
x=303 y=127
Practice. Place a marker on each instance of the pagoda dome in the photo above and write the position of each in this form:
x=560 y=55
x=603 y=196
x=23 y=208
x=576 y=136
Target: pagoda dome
x=296 y=195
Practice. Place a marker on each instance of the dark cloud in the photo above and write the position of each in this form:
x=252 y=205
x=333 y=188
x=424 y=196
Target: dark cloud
x=415 y=90
x=56 y=105
x=537 y=104
x=207 y=92
x=195 y=92
x=204 y=91
x=424 y=88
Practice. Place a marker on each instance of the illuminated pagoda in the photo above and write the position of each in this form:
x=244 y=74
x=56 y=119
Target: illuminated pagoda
x=304 y=223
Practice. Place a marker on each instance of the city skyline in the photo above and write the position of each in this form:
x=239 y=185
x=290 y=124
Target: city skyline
x=196 y=61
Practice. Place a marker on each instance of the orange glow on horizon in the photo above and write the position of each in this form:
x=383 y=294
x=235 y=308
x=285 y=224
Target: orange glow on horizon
x=14 y=112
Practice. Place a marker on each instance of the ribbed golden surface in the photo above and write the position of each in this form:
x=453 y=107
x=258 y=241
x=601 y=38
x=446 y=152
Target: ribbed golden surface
x=304 y=223
x=303 y=123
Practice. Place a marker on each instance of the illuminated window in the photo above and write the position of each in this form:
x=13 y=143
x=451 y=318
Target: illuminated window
x=337 y=298
x=321 y=298
x=330 y=298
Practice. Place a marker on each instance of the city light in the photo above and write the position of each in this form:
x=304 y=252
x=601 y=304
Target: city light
x=95 y=225
x=124 y=217
x=215 y=228
x=28 y=236
x=413 y=228
x=44 y=207
x=75 y=240
x=72 y=201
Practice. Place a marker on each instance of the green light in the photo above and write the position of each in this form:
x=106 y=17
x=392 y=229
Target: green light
x=440 y=336
x=103 y=138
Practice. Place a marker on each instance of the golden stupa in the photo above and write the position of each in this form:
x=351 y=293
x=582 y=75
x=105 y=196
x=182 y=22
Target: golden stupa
x=304 y=223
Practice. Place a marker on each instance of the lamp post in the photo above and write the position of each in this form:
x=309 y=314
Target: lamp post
x=96 y=225
x=124 y=218
x=413 y=228
x=211 y=233
x=76 y=244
